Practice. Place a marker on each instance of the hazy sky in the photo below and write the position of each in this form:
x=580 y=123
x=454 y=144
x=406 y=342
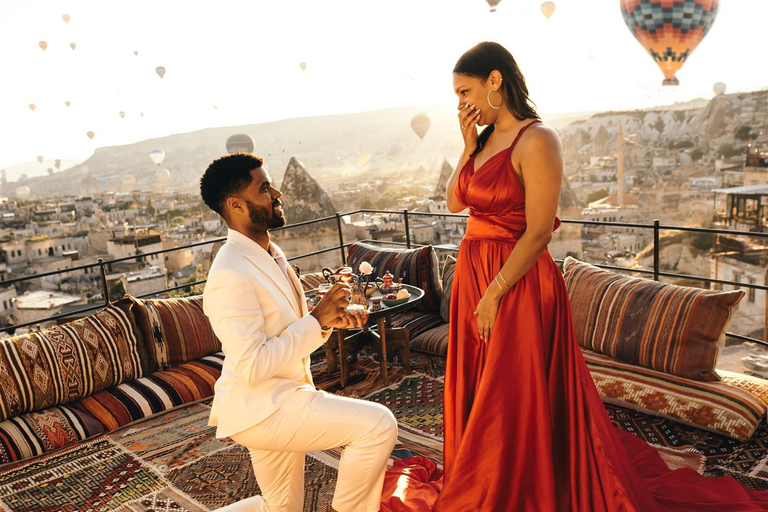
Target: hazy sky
x=244 y=56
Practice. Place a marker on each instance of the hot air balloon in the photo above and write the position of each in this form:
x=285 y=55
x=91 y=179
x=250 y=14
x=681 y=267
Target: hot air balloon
x=43 y=45
x=160 y=70
x=303 y=66
x=215 y=107
x=40 y=159
x=23 y=191
x=719 y=88
x=50 y=171
x=136 y=53
x=420 y=124
x=157 y=156
x=141 y=114
x=129 y=180
x=122 y=114
x=396 y=148
x=493 y=4
x=363 y=160
x=57 y=163
x=547 y=8
x=67 y=103
x=240 y=143
x=65 y=17
x=669 y=32
x=31 y=106
x=73 y=45
x=162 y=175
x=90 y=135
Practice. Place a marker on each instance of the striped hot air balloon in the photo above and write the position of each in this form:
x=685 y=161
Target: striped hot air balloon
x=669 y=29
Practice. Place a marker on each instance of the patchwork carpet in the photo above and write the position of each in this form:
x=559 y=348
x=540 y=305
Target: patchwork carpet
x=173 y=462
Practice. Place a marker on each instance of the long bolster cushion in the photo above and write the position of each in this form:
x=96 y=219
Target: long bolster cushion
x=733 y=407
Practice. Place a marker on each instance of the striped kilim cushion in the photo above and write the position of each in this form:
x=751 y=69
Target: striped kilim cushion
x=433 y=341
x=445 y=302
x=67 y=362
x=728 y=407
x=312 y=280
x=174 y=330
x=158 y=392
x=417 y=267
x=36 y=433
x=673 y=329
x=416 y=322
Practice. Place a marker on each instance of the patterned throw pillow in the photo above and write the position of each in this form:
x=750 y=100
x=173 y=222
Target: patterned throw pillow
x=445 y=302
x=312 y=280
x=67 y=362
x=418 y=267
x=174 y=331
x=673 y=329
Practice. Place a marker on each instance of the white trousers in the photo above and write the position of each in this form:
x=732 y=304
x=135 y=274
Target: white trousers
x=311 y=421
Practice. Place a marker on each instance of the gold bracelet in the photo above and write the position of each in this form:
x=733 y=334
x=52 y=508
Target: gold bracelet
x=503 y=291
x=505 y=281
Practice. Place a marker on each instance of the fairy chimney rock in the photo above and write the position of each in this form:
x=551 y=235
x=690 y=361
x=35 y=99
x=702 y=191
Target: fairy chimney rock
x=303 y=197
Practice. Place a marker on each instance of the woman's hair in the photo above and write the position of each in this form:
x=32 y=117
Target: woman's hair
x=479 y=61
x=225 y=177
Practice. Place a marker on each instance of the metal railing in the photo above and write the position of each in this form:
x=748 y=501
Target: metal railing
x=655 y=272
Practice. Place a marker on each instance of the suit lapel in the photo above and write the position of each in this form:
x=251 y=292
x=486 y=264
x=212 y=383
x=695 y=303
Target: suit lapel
x=266 y=264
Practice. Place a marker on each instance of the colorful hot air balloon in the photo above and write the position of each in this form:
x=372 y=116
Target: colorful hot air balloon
x=122 y=114
x=157 y=156
x=493 y=4
x=23 y=191
x=65 y=17
x=67 y=103
x=240 y=143
x=73 y=45
x=547 y=8
x=303 y=66
x=136 y=53
x=669 y=29
x=43 y=45
x=40 y=159
x=57 y=163
x=215 y=107
x=32 y=106
x=90 y=135
x=363 y=160
x=162 y=175
x=160 y=70
x=719 y=88
x=420 y=124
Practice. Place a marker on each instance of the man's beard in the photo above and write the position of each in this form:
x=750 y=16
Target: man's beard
x=264 y=218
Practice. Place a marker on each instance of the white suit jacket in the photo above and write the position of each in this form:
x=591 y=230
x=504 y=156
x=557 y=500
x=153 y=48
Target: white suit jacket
x=265 y=332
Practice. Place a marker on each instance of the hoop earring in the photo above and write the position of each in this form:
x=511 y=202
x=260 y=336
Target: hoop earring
x=488 y=99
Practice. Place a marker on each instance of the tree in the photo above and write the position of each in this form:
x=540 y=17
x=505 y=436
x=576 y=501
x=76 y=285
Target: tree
x=696 y=154
x=727 y=150
x=151 y=210
x=597 y=194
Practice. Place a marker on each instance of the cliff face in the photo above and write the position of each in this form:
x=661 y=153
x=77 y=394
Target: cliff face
x=303 y=197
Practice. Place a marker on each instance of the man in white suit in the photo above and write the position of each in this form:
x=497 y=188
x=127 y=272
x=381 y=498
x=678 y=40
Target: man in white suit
x=265 y=399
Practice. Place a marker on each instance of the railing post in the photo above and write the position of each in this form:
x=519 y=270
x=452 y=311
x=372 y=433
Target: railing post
x=656 y=249
x=341 y=239
x=407 y=230
x=105 y=288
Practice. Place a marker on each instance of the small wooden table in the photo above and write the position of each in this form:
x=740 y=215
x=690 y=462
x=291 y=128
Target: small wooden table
x=382 y=339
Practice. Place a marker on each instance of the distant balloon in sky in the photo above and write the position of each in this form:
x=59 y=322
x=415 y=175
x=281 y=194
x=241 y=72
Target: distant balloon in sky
x=57 y=163
x=67 y=103
x=129 y=180
x=50 y=171
x=122 y=114
x=396 y=147
x=157 y=156
x=303 y=66
x=669 y=34
x=363 y=160
x=136 y=53
x=43 y=45
x=719 y=88
x=90 y=135
x=160 y=70
x=163 y=175
x=420 y=125
x=72 y=45
x=40 y=159
x=32 y=106
x=493 y=4
x=547 y=8
x=23 y=191
x=65 y=17
x=215 y=107
x=141 y=114
x=240 y=143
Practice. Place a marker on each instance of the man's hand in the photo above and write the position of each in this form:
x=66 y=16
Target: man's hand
x=331 y=311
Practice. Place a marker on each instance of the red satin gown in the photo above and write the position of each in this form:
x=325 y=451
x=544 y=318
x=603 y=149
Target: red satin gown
x=525 y=428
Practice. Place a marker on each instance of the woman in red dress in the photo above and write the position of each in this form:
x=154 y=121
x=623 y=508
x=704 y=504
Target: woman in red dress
x=524 y=427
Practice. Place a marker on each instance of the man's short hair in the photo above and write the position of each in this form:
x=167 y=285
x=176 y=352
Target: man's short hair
x=225 y=177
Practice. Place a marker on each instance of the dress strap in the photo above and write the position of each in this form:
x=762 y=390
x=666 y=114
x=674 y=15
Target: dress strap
x=520 y=134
